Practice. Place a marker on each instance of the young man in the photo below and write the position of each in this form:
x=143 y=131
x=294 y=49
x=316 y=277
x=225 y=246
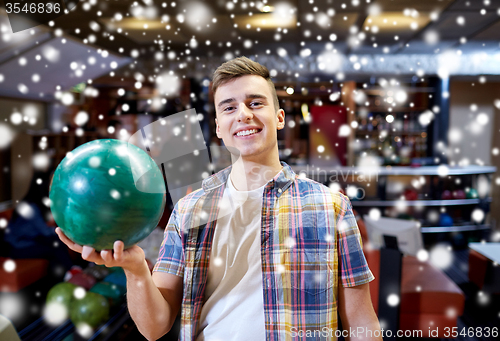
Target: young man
x=256 y=253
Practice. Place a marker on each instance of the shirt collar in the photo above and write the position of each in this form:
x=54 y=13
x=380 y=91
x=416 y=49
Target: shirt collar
x=280 y=182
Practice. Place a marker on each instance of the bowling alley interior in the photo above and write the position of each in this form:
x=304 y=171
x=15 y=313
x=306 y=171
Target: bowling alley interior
x=395 y=104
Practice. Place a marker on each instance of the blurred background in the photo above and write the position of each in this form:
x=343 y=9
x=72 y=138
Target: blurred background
x=394 y=103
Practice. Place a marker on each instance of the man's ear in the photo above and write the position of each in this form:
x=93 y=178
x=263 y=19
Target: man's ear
x=280 y=119
x=217 y=129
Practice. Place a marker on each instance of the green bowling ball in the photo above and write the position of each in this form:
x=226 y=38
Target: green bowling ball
x=61 y=293
x=471 y=193
x=92 y=309
x=107 y=190
x=405 y=216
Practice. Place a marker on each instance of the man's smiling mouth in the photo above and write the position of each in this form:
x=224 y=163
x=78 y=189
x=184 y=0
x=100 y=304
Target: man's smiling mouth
x=247 y=132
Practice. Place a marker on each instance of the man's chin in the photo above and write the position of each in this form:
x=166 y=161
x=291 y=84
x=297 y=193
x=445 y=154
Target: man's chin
x=250 y=156
x=233 y=150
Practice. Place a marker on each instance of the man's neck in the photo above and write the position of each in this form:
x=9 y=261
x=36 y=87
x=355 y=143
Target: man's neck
x=247 y=175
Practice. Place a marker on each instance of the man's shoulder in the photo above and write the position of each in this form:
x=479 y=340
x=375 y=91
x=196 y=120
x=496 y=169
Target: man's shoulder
x=306 y=182
x=318 y=190
x=316 y=186
x=189 y=200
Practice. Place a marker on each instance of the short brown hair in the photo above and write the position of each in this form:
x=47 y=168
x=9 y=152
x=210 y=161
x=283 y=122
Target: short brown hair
x=239 y=67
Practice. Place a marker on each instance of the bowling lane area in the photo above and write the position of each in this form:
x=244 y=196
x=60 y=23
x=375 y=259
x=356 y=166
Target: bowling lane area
x=107 y=120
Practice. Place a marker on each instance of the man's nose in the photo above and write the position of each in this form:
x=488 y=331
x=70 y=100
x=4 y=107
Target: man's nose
x=244 y=113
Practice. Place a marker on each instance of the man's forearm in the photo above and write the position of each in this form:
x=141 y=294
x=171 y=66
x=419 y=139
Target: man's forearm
x=356 y=311
x=148 y=308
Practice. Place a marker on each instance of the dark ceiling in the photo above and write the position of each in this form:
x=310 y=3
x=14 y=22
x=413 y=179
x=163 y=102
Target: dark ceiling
x=178 y=35
x=477 y=21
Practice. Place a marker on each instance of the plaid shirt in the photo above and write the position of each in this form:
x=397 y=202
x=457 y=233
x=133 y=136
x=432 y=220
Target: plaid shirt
x=309 y=241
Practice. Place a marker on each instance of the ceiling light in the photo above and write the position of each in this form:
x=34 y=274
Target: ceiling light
x=265 y=21
x=384 y=22
x=267 y=9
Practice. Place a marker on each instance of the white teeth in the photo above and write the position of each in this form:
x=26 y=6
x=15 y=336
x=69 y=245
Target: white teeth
x=246 y=132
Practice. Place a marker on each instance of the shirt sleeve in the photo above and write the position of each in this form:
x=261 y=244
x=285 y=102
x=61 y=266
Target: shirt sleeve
x=171 y=255
x=354 y=269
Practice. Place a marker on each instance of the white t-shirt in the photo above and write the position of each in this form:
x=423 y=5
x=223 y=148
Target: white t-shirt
x=234 y=303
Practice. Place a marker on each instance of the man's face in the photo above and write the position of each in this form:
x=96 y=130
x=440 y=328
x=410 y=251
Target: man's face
x=246 y=104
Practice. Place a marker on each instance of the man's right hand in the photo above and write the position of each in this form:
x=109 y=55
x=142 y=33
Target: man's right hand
x=131 y=259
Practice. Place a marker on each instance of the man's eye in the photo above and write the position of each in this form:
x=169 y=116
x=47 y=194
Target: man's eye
x=256 y=103
x=228 y=108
